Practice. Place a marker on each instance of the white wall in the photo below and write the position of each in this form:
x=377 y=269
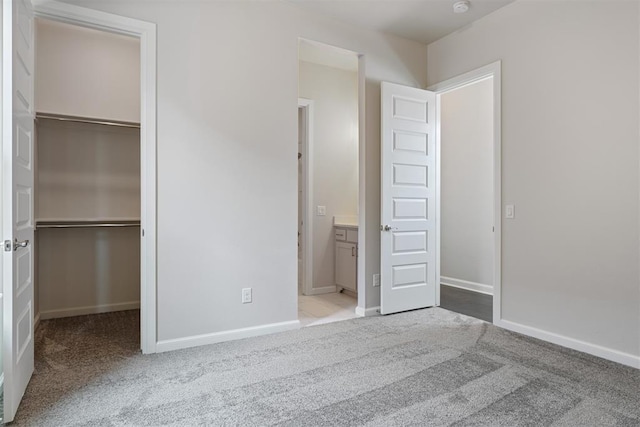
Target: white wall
x=466 y=136
x=227 y=124
x=570 y=164
x=87 y=270
x=87 y=172
x=335 y=156
x=106 y=67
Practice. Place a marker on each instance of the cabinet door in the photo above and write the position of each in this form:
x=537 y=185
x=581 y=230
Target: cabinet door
x=346 y=265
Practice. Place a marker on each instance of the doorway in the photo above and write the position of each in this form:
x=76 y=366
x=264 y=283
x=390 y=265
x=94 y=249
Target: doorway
x=328 y=182
x=470 y=202
x=145 y=33
x=87 y=169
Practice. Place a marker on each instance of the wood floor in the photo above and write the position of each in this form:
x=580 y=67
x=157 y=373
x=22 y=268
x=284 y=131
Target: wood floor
x=472 y=304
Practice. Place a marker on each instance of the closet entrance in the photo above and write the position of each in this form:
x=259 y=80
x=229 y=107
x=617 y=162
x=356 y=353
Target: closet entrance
x=87 y=173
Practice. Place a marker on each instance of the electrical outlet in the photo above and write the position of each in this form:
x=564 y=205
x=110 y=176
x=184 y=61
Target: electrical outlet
x=376 y=280
x=510 y=211
x=321 y=210
x=246 y=295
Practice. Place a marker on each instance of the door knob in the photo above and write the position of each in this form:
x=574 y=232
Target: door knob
x=17 y=245
x=387 y=228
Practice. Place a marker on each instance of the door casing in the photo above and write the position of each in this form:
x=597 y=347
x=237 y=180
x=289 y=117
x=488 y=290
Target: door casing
x=306 y=105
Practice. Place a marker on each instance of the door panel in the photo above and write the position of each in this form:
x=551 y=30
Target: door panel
x=408 y=251
x=17 y=200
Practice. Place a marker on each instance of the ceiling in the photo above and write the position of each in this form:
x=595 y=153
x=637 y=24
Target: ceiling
x=421 y=20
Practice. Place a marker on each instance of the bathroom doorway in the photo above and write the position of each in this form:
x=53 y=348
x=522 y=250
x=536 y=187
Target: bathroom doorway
x=328 y=158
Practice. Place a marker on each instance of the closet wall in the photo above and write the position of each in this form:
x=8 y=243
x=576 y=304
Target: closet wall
x=88 y=73
x=467 y=239
x=86 y=172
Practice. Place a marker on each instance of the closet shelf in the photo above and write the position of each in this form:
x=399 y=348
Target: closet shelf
x=78 y=119
x=85 y=224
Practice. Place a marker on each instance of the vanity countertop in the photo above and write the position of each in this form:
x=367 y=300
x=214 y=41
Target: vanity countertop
x=345 y=221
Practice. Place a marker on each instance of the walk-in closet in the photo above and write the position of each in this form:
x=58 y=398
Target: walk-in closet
x=87 y=171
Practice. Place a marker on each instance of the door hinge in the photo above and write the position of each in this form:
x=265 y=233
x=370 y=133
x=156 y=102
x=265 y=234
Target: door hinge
x=8 y=246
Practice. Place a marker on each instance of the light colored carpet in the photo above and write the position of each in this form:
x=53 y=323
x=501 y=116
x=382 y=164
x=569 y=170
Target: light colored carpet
x=426 y=367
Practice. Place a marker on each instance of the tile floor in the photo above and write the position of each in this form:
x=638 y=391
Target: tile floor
x=326 y=308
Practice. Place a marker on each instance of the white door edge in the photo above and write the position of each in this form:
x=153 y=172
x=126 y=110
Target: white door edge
x=362 y=260
x=307 y=203
x=146 y=32
x=492 y=70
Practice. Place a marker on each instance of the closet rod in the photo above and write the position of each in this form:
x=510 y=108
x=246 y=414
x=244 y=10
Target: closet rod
x=85 y=224
x=77 y=119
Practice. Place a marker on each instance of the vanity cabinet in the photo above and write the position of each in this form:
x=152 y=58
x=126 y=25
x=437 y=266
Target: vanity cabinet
x=346 y=265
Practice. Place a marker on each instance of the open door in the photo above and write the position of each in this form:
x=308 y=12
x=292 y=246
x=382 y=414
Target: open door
x=17 y=200
x=408 y=199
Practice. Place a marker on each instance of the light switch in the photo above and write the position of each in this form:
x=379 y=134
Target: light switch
x=510 y=211
x=321 y=210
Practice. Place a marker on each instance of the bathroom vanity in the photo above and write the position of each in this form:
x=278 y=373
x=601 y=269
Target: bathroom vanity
x=346 y=251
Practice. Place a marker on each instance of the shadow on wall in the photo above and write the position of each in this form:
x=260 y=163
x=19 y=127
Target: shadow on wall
x=405 y=60
x=372 y=189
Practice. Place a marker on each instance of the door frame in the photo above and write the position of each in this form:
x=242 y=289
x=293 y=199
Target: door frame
x=307 y=196
x=492 y=70
x=146 y=32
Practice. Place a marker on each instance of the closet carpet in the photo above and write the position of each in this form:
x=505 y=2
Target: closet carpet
x=425 y=367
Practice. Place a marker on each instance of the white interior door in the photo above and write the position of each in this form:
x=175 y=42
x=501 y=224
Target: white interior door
x=408 y=183
x=17 y=200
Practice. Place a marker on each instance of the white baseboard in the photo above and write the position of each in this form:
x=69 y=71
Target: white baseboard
x=323 y=290
x=93 y=309
x=36 y=321
x=367 y=312
x=465 y=284
x=236 y=334
x=574 y=344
